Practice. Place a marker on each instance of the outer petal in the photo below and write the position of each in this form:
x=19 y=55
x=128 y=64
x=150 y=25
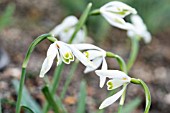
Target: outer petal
x=110 y=100
x=66 y=24
x=103 y=78
x=86 y=47
x=114 y=74
x=51 y=54
x=119 y=8
x=115 y=20
x=97 y=62
x=81 y=57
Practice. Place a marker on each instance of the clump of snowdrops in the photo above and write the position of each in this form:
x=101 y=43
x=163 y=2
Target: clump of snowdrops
x=67 y=46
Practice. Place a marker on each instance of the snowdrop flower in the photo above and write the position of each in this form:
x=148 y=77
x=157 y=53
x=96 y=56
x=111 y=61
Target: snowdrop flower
x=64 y=52
x=117 y=79
x=96 y=55
x=65 y=30
x=140 y=29
x=115 y=11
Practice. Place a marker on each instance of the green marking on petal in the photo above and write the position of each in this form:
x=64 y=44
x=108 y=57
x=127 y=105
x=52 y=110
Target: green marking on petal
x=87 y=54
x=67 y=55
x=71 y=57
x=109 y=85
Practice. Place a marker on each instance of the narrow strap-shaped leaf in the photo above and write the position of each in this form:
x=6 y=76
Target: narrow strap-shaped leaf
x=27 y=109
x=81 y=22
x=0 y=107
x=69 y=78
x=51 y=100
x=82 y=98
x=27 y=99
x=128 y=108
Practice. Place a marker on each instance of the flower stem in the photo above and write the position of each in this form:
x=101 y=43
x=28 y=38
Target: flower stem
x=95 y=12
x=119 y=59
x=147 y=93
x=24 y=65
x=69 y=78
x=133 y=53
x=55 y=84
x=81 y=22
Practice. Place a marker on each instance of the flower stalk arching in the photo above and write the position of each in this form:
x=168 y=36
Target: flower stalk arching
x=24 y=65
x=147 y=93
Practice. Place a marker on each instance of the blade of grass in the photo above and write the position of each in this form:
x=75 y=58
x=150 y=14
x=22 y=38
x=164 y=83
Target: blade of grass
x=130 y=107
x=0 y=107
x=27 y=100
x=55 y=84
x=82 y=98
x=27 y=109
x=6 y=16
x=69 y=78
x=56 y=107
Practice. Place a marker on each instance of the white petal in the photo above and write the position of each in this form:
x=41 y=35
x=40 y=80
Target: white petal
x=80 y=56
x=86 y=47
x=115 y=20
x=92 y=54
x=110 y=100
x=51 y=54
x=68 y=22
x=64 y=50
x=97 y=62
x=103 y=78
x=147 y=37
x=114 y=74
x=104 y=64
x=118 y=7
x=114 y=83
x=80 y=37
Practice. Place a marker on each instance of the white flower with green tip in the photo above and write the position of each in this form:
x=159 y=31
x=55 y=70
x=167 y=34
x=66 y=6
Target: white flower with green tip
x=66 y=29
x=64 y=52
x=117 y=79
x=95 y=54
x=115 y=11
x=140 y=29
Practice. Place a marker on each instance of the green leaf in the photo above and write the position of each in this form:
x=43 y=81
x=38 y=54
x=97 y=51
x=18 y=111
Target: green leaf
x=27 y=100
x=56 y=105
x=82 y=98
x=0 y=107
x=27 y=109
x=5 y=19
x=69 y=78
x=131 y=105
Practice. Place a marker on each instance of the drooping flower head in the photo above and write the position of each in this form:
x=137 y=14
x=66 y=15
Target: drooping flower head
x=115 y=11
x=65 y=30
x=94 y=54
x=65 y=53
x=140 y=29
x=117 y=79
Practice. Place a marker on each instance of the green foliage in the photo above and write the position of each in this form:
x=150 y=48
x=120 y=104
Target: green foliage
x=131 y=106
x=82 y=98
x=0 y=107
x=6 y=17
x=27 y=99
x=154 y=12
x=27 y=109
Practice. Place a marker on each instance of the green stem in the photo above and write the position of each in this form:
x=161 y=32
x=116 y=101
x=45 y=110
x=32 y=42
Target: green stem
x=132 y=58
x=55 y=84
x=121 y=62
x=147 y=93
x=24 y=65
x=69 y=78
x=133 y=53
x=81 y=22
x=95 y=12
